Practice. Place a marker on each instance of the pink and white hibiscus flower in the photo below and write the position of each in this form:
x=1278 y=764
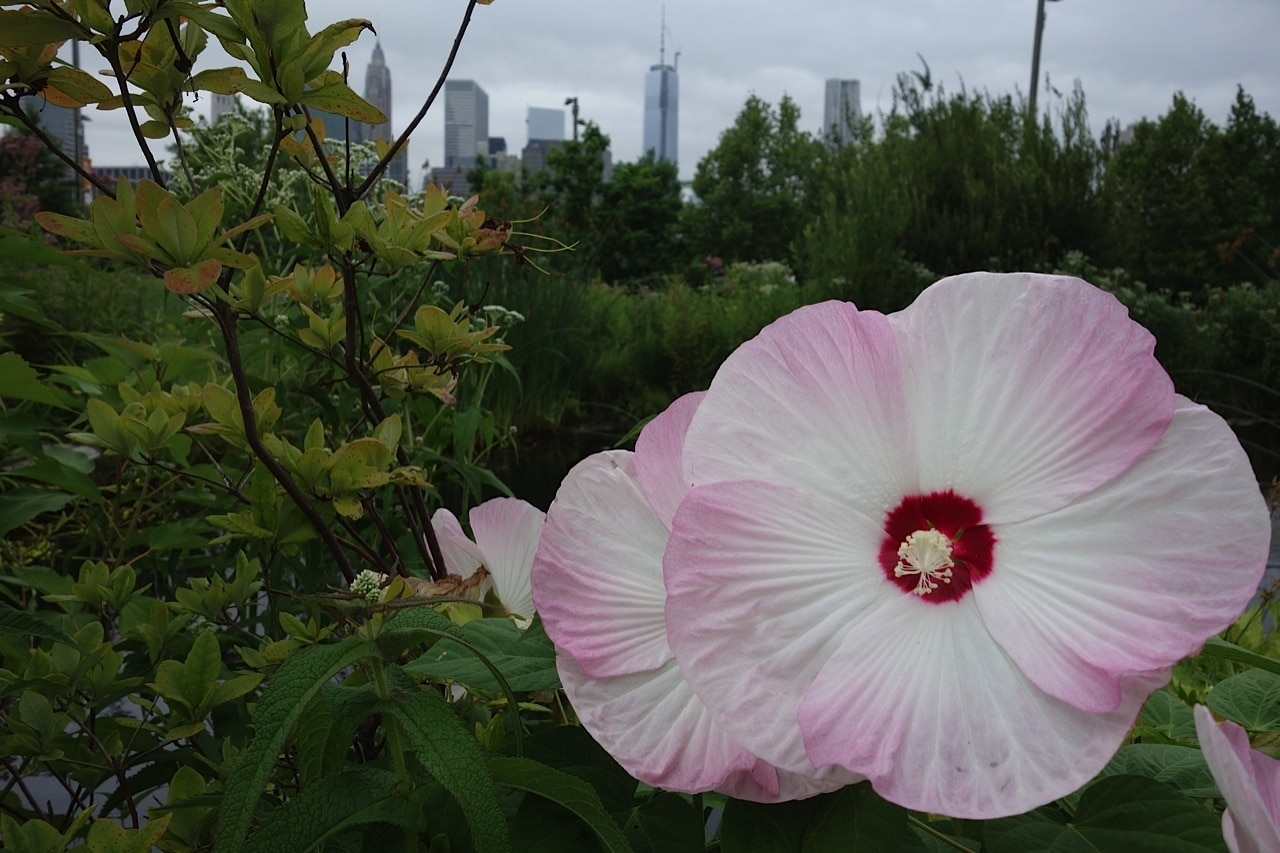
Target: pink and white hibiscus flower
x=506 y=535
x=951 y=549
x=597 y=584
x=1249 y=782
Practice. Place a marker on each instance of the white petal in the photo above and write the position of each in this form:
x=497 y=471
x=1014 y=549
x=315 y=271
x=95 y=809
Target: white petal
x=1027 y=391
x=507 y=532
x=1249 y=782
x=658 y=730
x=658 y=456
x=922 y=701
x=815 y=401
x=461 y=556
x=597 y=573
x=1136 y=575
x=762 y=581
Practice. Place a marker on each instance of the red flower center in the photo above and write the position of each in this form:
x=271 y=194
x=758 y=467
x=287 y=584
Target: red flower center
x=936 y=546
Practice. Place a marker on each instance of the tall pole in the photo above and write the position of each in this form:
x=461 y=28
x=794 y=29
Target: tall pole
x=1035 y=60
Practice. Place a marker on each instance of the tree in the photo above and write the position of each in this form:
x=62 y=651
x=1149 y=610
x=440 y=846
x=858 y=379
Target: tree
x=754 y=187
x=32 y=179
x=639 y=218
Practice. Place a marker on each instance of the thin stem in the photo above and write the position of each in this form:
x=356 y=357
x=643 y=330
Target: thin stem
x=113 y=59
x=403 y=138
x=15 y=775
x=227 y=324
x=941 y=836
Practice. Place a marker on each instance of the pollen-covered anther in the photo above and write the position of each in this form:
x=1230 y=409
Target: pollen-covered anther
x=926 y=553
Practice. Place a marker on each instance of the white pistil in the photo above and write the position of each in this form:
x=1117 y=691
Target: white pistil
x=926 y=553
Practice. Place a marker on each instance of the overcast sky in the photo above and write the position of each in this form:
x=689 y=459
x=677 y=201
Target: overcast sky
x=1130 y=56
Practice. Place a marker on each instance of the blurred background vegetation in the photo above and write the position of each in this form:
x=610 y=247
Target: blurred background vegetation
x=1177 y=216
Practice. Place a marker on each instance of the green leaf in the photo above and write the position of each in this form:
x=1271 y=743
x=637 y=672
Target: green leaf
x=665 y=823
x=22 y=624
x=527 y=659
x=356 y=796
x=853 y=818
x=429 y=621
x=19 y=381
x=453 y=757
x=1251 y=699
x=29 y=27
x=281 y=704
x=1181 y=767
x=1125 y=814
x=20 y=505
x=1216 y=648
x=327 y=726
x=566 y=791
x=335 y=96
x=1168 y=716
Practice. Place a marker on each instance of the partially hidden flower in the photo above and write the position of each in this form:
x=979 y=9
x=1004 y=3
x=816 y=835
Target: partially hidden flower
x=506 y=534
x=597 y=584
x=951 y=549
x=1249 y=782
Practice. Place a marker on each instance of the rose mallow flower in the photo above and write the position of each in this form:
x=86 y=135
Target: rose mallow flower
x=952 y=549
x=1249 y=782
x=506 y=535
x=597 y=584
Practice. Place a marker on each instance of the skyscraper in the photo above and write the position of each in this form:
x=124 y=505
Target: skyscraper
x=544 y=123
x=377 y=91
x=220 y=105
x=662 y=104
x=841 y=110
x=466 y=123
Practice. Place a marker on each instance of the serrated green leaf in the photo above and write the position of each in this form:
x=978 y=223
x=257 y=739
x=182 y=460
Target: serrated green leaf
x=19 y=381
x=327 y=727
x=1251 y=699
x=453 y=757
x=356 y=796
x=284 y=700
x=1124 y=814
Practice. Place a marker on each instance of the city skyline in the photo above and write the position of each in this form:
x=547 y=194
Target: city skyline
x=1130 y=59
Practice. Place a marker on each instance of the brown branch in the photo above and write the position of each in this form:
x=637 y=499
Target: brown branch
x=403 y=138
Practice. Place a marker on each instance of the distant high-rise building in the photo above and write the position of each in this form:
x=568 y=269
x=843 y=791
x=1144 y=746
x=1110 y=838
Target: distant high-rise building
x=841 y=110
x=220 y=105
x=545 y=124
x=662 y=104
x=466 y=123
x=377 y=91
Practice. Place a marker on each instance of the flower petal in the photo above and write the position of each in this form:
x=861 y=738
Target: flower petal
x=600 y=555
x=923 y=702
x=658 y=730
x=1027 y=391
x=1249 y=782
x=762 y=581
x=461 y=556
x=815 y=400
x=1136 y=575
x=506 y=530
x=658 y=456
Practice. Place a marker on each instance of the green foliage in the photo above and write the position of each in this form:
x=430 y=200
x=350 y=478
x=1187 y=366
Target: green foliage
x=753 y=187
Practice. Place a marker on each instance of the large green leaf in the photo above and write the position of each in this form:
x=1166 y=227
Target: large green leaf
x=23 y=624
x=20 y=505
x=527 y=659
x=566 y=791
x=29 y=27
x=1251 y=698
x=19 y=381
x=327 y=727
x=281 y=704
x=1182 y=767
x=1168 y=716
x=853 y=818
x=1216 y=648
x=665 y=823
x=1118 y=814
x=356 y=796
x=453 y=757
